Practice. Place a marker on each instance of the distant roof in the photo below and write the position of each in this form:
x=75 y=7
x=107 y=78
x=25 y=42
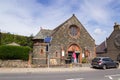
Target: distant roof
x=14 y=44
x=101 y=48
x=43 y=33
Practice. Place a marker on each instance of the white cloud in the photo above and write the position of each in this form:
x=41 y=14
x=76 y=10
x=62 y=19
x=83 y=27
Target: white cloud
x=96 y=11
x=99 y=31
x=25 y=17
x=99 y=35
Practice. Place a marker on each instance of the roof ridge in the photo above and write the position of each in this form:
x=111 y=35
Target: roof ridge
x=56 y=29
x=43 y=33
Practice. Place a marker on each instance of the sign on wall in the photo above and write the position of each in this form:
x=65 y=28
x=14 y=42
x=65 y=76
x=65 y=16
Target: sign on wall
x=63 y=53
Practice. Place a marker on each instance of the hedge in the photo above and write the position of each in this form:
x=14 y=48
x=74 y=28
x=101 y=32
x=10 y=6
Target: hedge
x=14 y=52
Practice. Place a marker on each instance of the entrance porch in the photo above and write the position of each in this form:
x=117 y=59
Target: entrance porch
x=74 y=48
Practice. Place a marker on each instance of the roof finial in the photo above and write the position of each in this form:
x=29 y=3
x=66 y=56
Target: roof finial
x=116 y=23
x=73 y=14
x=116 y=26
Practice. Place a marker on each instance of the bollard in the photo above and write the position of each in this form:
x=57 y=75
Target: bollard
x=71 y=65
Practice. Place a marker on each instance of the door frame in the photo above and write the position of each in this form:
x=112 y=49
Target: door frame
x=75 y=47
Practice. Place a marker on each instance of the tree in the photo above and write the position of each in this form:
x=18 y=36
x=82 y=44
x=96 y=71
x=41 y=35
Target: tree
x=7 y=38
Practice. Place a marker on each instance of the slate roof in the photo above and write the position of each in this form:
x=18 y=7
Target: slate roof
x=46 y=32
x=101 y=48
x=43 y=33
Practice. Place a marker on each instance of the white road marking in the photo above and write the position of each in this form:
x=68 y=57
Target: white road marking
x=115 y=75
x=75 y=79
x=111 y=76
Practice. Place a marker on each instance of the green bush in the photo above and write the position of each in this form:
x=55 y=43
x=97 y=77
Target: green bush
x=84 y=60
x=14 y=52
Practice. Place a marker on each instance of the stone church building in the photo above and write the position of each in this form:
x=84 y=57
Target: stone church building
x=113 y=43
x=111 y=46
x=70 y=36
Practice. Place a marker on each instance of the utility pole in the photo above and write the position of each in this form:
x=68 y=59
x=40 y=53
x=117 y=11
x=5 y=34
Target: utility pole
x=48 y=55
x=47 y=40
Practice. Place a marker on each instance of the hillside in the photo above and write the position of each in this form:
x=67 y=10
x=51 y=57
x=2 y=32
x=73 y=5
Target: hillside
x=7 y=38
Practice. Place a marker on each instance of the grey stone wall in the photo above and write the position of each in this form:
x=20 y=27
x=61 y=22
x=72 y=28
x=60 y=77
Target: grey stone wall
x=62 y=38
x=112 y=50
x=38 y=56
x=14 y=63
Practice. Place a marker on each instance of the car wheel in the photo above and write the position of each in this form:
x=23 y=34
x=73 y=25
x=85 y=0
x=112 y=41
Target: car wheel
x=104 y=67
x=117 y=66
x=93 y=67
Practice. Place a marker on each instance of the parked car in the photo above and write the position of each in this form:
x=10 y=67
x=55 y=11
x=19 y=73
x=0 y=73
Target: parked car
x=104 y=62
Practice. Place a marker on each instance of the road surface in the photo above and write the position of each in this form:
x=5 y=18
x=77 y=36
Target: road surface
x=98 y=74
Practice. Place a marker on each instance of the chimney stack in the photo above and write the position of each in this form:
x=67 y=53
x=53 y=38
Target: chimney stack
x=116 y=26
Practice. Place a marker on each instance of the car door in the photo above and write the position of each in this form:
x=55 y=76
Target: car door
x=108 y=62
x=111 y=62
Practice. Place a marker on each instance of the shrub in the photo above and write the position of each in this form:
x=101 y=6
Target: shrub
x=14 y=52
x=84 y=60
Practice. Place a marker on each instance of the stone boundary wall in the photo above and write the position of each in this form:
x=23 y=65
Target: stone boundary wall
x=25 y=64
x=14 y=63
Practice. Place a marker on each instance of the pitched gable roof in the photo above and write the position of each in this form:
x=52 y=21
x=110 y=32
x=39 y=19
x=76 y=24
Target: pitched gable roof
x=101 y=48
x=74 y=18
x=115 y=31
x=43 y=33
x=57 y=28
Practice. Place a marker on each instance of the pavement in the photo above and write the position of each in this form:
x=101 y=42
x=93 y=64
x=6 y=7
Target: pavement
x=50 y=69
x=39 y=70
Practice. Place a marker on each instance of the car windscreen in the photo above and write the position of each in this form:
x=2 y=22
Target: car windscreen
x=96 y=59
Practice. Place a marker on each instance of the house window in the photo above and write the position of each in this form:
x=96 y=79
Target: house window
x=73 y=30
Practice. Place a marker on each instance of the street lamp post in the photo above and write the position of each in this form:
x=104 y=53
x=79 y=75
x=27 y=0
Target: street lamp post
x=48 y=40
x=48 y=56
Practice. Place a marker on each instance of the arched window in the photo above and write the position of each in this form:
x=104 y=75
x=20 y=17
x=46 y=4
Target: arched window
x=56 y=54
x=74 y=30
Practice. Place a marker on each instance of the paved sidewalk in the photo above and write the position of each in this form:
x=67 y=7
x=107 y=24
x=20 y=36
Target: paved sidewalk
x=39 y=70
x=43 y=70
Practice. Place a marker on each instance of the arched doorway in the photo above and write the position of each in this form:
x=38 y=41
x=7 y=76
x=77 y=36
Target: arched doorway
x=74 y=48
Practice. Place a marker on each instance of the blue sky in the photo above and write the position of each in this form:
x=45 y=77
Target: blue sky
x=25 y=17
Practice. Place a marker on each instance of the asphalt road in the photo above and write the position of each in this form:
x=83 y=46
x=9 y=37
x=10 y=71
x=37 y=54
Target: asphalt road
x=98 y=74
